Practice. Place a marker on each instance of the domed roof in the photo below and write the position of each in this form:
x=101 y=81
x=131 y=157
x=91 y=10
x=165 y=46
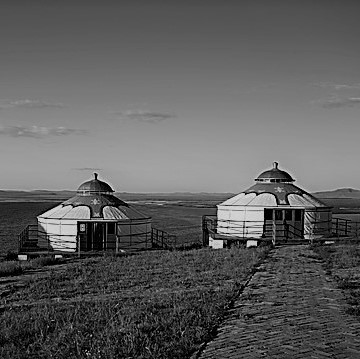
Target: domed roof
x=274 y=175
x=94 y=186
x=274 y=188
x=94 y=200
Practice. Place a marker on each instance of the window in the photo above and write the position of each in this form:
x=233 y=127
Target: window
x=268 y=214
x=111 y=228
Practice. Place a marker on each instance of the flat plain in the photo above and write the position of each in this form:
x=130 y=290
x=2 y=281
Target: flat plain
x=156 y=304
x=178 y=214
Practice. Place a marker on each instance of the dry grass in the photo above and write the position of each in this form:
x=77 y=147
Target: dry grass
x=342 y=262
x=14 y=267
x=10 y=268
x=152 y=305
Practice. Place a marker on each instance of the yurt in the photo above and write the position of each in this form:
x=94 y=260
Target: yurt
x=93 y=220
x=272 y=208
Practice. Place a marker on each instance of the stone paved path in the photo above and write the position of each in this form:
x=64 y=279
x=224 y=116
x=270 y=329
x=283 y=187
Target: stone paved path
x=290 y=309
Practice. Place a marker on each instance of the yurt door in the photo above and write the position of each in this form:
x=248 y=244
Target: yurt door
x=98 y=236
x=288 y=222
x=293 y=223
x=275 y=217
x=279 y=219
x=91 y=236
x=84 y=234
x=110 y=235
x=298 y=223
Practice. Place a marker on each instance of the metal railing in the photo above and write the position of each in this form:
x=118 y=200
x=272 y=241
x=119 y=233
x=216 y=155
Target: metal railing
x=268 y=230
x=162 y=239
x=344 y=227
x=31 y=239
x=245 y=229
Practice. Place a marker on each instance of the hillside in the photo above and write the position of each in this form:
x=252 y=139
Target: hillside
x=58 y=196
x=339 y=193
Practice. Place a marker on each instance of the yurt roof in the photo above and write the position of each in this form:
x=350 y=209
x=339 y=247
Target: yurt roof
x=94 y=186
x=274 y=189
x=94 y=200
x=274 y=175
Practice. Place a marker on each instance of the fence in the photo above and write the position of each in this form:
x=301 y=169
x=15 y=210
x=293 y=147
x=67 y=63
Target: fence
x=344 y=227
x=283 y=232
x=32 y=240
x=162 y=239
x=249 y=229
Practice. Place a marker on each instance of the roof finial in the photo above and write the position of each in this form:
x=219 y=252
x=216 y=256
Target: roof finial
x=95 y=175
x=275 y=164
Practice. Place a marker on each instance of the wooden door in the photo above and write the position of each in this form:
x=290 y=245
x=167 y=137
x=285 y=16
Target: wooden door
x=84 y=234
x=98 y=239
x=92 y=236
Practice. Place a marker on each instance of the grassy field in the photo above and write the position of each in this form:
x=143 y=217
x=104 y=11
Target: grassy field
x=342 y=262
x=150 y=305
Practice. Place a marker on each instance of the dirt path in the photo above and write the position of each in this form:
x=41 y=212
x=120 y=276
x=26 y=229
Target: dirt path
x=290 y=309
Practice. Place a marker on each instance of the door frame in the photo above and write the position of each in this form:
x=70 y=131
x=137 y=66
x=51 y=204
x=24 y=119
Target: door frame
x=86 y=234
x=287 y=227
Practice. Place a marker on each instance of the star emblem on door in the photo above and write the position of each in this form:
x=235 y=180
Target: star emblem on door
x=95 y=201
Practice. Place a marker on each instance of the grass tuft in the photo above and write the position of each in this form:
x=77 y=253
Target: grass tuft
x=152 y=305
x=342 y=262
x=45 y=261
x=10 y=268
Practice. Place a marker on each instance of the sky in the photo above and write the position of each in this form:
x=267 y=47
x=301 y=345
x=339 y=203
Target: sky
x=192 y=95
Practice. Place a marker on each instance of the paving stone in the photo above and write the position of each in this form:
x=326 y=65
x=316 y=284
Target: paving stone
x=289 y=309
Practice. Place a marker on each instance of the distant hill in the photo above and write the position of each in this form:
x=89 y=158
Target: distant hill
x=339 y=193
x=175 y=196
x=59 y=196
x=35 y=196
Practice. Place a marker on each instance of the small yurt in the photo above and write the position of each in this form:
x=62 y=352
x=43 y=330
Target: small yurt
x=93 y=220
x=272 y=207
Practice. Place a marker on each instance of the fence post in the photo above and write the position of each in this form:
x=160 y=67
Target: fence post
x=78 y=244
x=337 y=227
x=205 y=231
x=273 y=232
x=346 y=227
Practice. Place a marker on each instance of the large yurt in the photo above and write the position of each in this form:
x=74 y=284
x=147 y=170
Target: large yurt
x=93 y=220
x=272 y=208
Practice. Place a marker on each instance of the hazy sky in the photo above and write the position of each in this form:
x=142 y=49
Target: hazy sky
x=191 y=95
